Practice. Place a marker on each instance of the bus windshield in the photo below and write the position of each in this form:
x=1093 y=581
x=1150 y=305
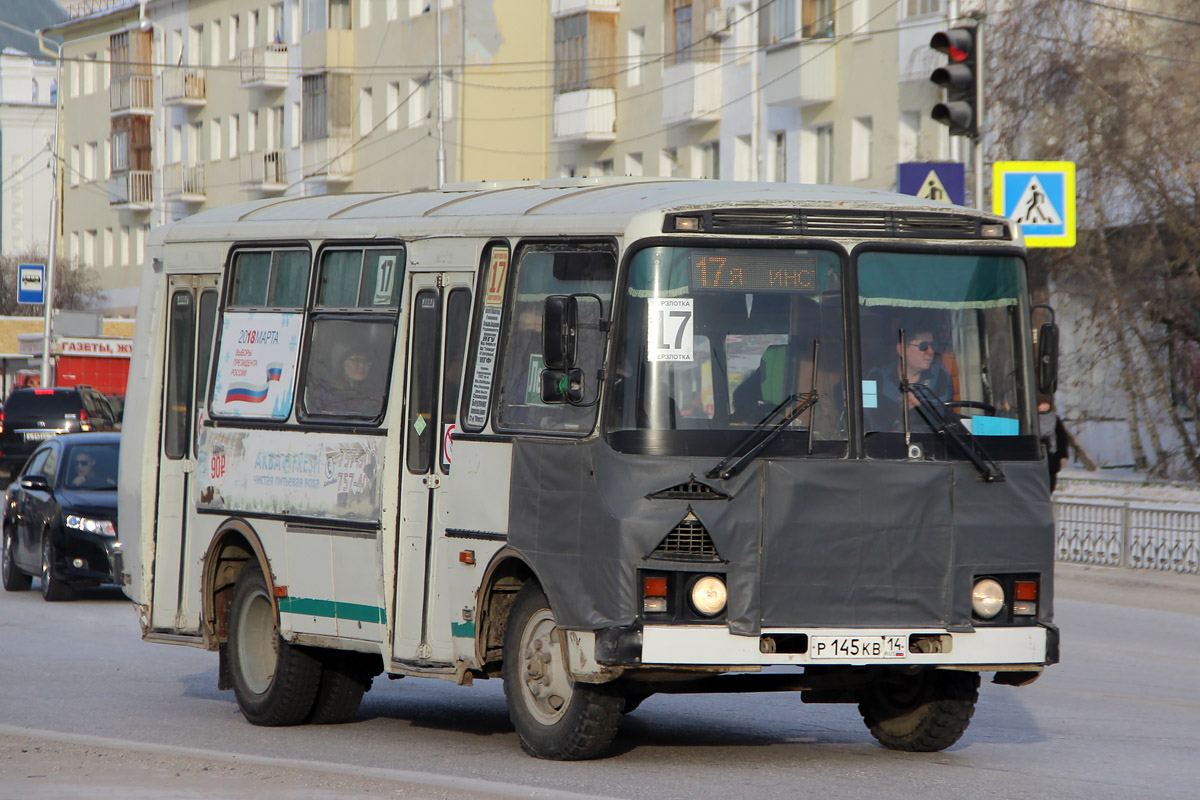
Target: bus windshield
x=714 y=339
x=952 y=324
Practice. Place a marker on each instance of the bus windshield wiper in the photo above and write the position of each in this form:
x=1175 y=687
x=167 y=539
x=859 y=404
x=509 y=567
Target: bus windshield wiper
x=763 y=434
x=935 y=416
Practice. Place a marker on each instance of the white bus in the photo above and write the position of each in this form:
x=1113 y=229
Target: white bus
x=602 y=439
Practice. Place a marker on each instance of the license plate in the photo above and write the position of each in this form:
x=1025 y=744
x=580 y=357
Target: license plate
x=38 y=436
x=858 y=647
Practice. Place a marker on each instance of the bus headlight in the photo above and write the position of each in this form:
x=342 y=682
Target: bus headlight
x=988 y=598
x=709 y=595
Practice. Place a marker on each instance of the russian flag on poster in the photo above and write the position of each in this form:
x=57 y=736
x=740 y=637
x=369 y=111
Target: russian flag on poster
x=254 y=393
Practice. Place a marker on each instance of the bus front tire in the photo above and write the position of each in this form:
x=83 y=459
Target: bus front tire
x=921 y=713
x=555 y=717
x=275 y=683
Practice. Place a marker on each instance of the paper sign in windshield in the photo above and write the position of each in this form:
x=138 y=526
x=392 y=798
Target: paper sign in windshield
x=670 y=329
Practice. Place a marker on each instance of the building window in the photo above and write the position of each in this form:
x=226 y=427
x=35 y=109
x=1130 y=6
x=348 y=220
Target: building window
x=233 y=32
x=214 y=140
x=108 y=248
x=417 y=101
x=365 y=121
x=326 y=106
x=276 y=128
x=214 y=42
x=234 y=133
x=124 y=246
x=570 y=53
x=909 y=135
x=681 y=26
x=252 y=132
x=917 y=8
x=860 y=19
x=817 y=19
x=392 y=108
x=633 y=164
x=364 y=13
x=861 y=146
x=603 y=168
x=75 y=165
x=637 y=50
x=783 y=20
x=668 y=162
x=710 y=159
x=778 y=156
x=824 y=154
x=296 y=118
x=339 y=15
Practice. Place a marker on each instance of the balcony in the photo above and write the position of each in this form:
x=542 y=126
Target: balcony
x=692 y=93
x=586 y=115
x=264 y=172
x=184 y=182
x=131 y=191
x=184 y=86
x=562 y=8
x=800 y=74
x=329 y=160
x=131 y=94
x=264 y=67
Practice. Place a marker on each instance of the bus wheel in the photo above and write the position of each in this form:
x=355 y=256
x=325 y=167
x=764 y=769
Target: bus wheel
x=921 y=713
x=14 y=579
x=555 y=717
x=275 y=683
x=343 y=684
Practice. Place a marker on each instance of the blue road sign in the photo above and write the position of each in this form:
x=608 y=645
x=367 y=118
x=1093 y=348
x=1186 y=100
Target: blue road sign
x=1040 y=195
x=944 y=181
x=31 y=284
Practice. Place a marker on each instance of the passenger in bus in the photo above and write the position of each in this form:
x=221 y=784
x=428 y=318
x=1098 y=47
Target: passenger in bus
x=353 y=388
x=763 y=390
x=919 y=356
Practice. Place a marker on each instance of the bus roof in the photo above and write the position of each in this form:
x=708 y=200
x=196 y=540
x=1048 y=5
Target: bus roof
x=594 y=206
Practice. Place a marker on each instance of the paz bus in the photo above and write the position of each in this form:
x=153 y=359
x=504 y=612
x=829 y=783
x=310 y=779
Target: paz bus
x=601 y=439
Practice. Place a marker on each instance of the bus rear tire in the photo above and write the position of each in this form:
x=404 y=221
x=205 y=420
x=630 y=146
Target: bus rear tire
x=921 y=713
x=344 y=681
x=555 y=717
x=275 y=683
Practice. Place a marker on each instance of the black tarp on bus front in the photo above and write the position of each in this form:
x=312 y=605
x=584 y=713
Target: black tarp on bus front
x=803 y=542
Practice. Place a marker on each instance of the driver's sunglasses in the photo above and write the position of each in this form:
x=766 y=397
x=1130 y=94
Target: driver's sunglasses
x=924 y=346
x=84 y=462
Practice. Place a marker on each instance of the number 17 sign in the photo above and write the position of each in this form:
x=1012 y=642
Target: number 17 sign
x=669 y=329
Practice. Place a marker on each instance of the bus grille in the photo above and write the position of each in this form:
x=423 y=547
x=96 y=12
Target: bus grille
x=874 y=224
x=689 y=541
x=692 y=490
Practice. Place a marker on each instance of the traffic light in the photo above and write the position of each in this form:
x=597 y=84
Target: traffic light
x=960 y=80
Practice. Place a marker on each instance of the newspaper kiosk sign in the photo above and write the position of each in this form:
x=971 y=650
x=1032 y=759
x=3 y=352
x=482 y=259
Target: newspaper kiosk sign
x=31 y=284
x=1040 y=195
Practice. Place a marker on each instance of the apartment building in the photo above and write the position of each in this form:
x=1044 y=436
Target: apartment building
x=171 y=107
x=818 y=91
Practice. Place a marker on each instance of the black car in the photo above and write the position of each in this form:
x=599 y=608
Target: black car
x=60 y=517
x=31 y=416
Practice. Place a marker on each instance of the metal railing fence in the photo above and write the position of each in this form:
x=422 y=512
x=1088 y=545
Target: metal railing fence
x=1125 y=533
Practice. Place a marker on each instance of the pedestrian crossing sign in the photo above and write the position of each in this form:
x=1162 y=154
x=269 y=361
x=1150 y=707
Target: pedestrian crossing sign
x=1040 y=195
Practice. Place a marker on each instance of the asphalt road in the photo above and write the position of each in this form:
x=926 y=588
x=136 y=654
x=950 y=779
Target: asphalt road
x=88 y=709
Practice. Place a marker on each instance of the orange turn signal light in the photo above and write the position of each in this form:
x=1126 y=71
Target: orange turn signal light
x=466 y=557
x=1025 y=590
x=655 y=587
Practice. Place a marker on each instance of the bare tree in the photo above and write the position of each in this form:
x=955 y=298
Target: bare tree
x=75 y=286
x=1115 y=88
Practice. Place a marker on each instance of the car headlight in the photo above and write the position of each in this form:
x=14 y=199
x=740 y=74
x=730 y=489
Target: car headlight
x=988 y=598
x=709 y=595
x=103 y=527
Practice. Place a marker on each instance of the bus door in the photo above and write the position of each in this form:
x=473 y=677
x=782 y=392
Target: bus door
x=191 y=318
x=439 y=320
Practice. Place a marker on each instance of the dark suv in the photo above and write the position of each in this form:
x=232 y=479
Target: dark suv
x=31 y=416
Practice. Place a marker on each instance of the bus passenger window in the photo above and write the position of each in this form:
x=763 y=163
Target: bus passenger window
x=360 y=279
x=541 y=271
x=348 y=365
x=269 y=279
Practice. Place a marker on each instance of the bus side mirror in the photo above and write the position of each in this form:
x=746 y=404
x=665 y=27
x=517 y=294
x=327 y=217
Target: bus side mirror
x=560 y=332
x=1047 y=368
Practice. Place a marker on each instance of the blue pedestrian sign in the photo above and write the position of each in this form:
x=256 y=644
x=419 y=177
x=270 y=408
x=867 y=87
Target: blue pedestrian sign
x=1040 y=195
x=944 y=181
x=31 y=284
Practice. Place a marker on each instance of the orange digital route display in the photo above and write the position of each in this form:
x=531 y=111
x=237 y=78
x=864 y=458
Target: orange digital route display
x=753 y=271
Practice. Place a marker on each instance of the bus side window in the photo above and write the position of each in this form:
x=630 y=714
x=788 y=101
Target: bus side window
x=458 y=315
x=541 y=271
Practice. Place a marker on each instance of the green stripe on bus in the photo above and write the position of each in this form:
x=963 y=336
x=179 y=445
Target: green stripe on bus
x=309 y=607
x=462 y=630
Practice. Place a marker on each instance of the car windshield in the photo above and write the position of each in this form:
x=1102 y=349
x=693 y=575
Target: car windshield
x=714 y=339
x=90 y=466
x=952 y=324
